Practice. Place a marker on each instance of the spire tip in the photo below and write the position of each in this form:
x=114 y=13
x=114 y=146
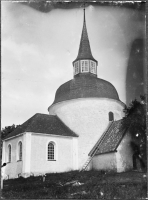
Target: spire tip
x=84 y=11
x=84 y=6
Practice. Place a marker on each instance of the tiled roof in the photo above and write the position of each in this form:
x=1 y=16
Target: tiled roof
x=42 y=123
x=84 y=48
x=85 y=86
x=111 y=138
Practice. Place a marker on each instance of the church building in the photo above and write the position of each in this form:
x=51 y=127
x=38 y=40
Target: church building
x=83 y=130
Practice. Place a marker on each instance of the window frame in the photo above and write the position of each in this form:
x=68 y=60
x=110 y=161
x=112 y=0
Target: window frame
x=76 y=67
x=84 y=66
x=9 y=155
x=111 y=116
x=20 y=151
x=55 y=151
x=93 y=68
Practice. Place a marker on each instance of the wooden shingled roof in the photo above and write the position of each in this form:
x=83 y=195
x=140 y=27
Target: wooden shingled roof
x=45 y=124
x=85 y=86
x=111 y=139
x=84 y=47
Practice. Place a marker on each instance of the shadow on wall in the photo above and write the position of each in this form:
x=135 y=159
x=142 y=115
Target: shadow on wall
x=135 y=83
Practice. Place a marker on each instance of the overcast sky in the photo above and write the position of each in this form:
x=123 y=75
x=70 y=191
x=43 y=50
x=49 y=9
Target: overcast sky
x=38 y=49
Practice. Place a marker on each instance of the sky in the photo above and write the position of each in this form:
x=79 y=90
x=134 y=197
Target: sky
x=38 y=49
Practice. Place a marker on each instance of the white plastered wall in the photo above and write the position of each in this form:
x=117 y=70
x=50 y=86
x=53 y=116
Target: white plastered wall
x=124 y=155
x=26 y=153
x=65 y=154
x=15 y=167
x=87 y=117
x=34 y=155
x=106 y=162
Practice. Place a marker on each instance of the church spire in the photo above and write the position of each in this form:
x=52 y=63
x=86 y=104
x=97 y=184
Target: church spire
x=84 y=60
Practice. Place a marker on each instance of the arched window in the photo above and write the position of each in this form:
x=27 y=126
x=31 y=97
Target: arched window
x=51 y=151
x=111 y=116
x=9 y=153
x=20 y=150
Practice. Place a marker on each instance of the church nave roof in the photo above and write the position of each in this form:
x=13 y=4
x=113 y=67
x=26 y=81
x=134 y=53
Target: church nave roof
x=42 y=123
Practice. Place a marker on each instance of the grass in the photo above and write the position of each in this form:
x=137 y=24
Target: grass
x=93 y=185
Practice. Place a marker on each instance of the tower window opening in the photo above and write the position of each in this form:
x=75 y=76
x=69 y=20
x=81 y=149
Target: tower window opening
x=76 y=68
x=93 y=67
x=111 y=116
x=82 y=66
x=86 y=66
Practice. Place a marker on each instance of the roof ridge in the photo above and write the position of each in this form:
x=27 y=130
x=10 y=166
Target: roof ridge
x=20 y=127
x=125 y=131
x=100 y=139
x=114 y=124
x=34 y=117
x=112 y=138
x=43 y=123
x=106 y=133
x=31 y=119
x=66 y=126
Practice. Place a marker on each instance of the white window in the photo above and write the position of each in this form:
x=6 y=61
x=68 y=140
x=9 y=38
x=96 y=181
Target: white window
x=51 y=151
x=84 y=66
x=76 y=68
x=9 y=153
x=93 y=67
x=20 y=151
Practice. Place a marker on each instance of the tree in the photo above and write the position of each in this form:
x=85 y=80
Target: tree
x=8 y=129
x=135 y=119
x=5 y=131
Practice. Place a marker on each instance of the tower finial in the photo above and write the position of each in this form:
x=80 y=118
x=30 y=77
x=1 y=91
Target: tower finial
x=84 y=11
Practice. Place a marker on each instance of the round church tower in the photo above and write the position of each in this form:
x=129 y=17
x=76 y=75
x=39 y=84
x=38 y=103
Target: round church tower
x=86 y=104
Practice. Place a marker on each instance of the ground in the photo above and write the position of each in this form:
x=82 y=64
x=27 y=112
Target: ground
x=79 y=185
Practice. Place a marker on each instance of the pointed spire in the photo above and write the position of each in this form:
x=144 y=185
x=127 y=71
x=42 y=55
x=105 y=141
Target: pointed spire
x=85 y=62
x=84 y=48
